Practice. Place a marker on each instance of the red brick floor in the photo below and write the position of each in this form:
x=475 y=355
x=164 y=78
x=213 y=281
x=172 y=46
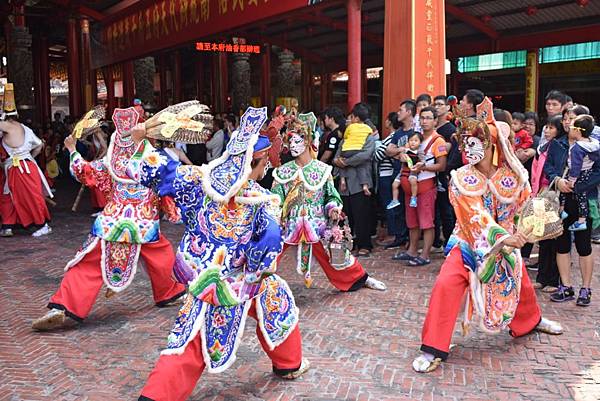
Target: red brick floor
x=360 y=345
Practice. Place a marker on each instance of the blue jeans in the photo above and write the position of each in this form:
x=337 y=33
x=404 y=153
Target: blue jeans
x=395 y=218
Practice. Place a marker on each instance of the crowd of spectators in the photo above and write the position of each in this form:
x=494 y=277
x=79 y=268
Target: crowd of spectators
x=404 y=173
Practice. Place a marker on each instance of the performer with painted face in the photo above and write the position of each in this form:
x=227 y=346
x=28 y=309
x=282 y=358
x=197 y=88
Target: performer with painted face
x=311 y=206
x=483 y=253
x=227 y=257
x=127 y=228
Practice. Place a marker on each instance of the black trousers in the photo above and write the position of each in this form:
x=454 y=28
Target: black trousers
x=547 y=267
x=359 y=208
x=445 y=219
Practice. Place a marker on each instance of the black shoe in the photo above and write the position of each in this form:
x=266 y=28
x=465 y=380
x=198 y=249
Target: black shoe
x=585 y=297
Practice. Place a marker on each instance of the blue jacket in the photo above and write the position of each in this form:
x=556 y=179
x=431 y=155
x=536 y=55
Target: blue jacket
x=556 y=162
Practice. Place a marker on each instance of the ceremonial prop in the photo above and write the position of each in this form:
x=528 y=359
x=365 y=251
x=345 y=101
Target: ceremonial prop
x=89 y=122
x=188 y=122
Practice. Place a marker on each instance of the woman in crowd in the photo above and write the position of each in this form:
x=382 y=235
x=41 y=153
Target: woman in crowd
x=547 y=277
x=554 y=167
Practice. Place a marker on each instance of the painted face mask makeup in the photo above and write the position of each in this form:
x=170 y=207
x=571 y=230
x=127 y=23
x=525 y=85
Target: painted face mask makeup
x=474 y=150
x=297 y=145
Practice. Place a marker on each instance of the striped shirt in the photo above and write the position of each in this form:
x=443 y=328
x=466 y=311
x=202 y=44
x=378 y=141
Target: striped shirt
x=386 y=166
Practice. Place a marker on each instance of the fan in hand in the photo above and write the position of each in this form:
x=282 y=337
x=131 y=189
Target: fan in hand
x=188 y=122
x=89 y=122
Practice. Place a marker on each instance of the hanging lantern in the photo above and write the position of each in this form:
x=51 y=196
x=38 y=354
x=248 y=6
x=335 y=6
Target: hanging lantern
x=531 y=10
x=582 y=3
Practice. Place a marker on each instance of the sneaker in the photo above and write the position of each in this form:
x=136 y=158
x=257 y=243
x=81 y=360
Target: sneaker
x=585 y=297
x=596 y=239
x=563 y=294
x=413 y=201
x=563 y=215
x=42 y=231
x=6 y=232
x=437 y=249
x=578 y=226
x=394 y=203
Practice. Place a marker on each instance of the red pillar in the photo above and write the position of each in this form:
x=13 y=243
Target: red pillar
x=128 y=83
x=73 y=69
x=111 y=100
x=42 y=78
x=353 y=8
x=162 y=74
x=265 y=81
x=86 y=62
x=19 y=13
x=177 y=89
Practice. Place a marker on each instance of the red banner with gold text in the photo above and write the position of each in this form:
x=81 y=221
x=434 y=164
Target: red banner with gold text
x=150 y=26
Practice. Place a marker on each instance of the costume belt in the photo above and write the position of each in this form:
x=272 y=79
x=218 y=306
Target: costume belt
x=15 y=161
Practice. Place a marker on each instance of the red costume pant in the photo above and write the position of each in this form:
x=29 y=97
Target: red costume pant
x=350 y=279
x=25 y=205
x=446 y=300
x=175 y=376
x=82 y=282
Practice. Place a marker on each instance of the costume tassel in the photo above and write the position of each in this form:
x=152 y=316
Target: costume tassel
x=495 y=157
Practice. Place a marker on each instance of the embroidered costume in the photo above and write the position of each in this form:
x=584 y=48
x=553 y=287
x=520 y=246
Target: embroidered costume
x=127 y=228
x=309 y=199
x=227 y=257
x=500 y=294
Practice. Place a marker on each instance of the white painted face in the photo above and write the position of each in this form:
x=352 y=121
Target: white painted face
x=297 y=145
x=474 y=150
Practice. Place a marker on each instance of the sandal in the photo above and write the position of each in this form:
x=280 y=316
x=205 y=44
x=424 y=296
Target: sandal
x=423 y=365
x=419 y=261
x=538 y=286
x=549 y=289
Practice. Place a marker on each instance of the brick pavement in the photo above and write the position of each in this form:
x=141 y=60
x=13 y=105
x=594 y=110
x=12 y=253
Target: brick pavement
x=360 y=345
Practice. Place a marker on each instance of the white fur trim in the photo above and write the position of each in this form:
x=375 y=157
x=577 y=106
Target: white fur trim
x=260 y=319
x=255 y=200
x=79 y=256
x=509 y=154
x=238 y=340
x=198 y=324
x=103 y=265
x=207 y=168
x=107 y=163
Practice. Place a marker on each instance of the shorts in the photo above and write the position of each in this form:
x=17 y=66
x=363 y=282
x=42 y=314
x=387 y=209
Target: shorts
x=423 y=216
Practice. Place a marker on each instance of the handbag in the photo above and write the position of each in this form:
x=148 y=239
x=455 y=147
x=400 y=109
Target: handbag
x=541 y=215
x=338 y=242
